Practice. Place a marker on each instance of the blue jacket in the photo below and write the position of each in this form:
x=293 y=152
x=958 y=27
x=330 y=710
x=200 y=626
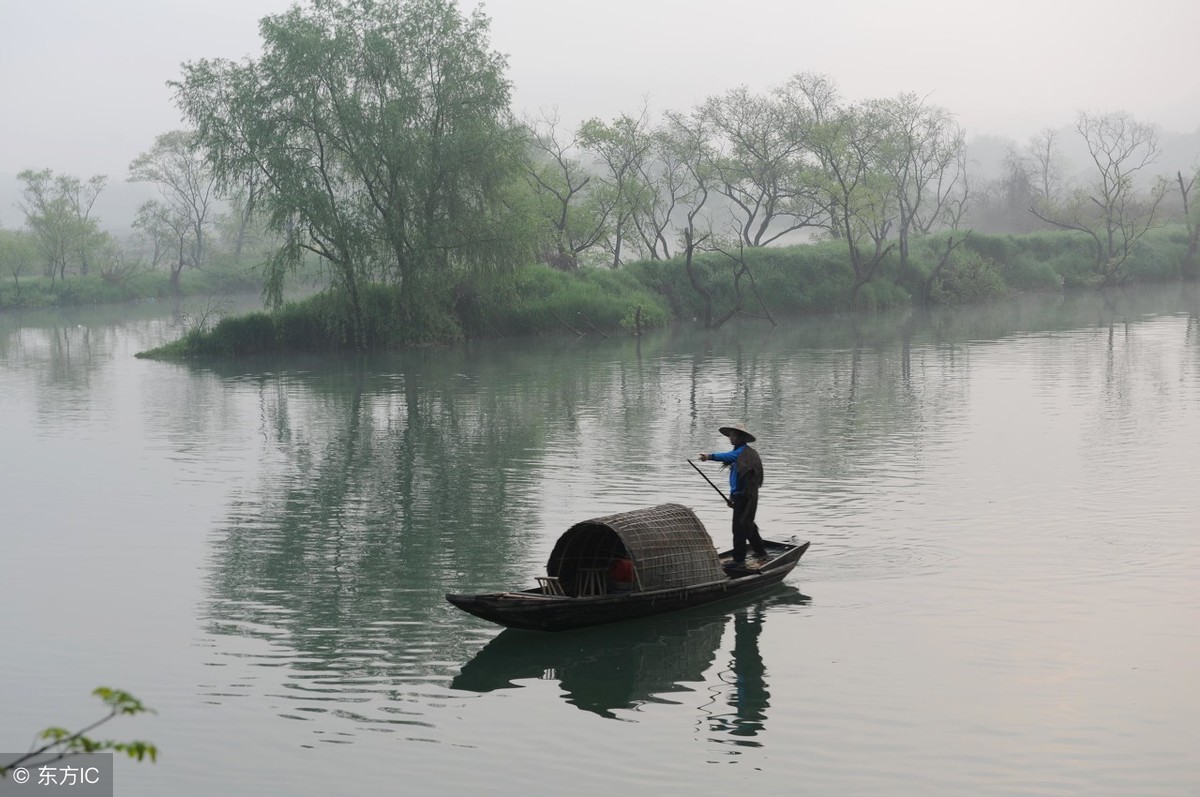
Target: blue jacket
x=741 y=479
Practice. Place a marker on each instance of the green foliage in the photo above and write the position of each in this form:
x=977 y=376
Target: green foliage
x=380 y=138
x=58 y=211
x=879 y=295
x=42 y=291
x=622 y=194
x=327 y=318
x=18 y=258
x=1159 y=255
x=246 y=334
x=532 y=300
x=549 y=300
x=537 y=299
x=810 y=278
x=803 y=279
x=114 y=276
x=60 y=742
x=968 y=278
x=46 y=292
x=302 y=327
x=1035 y=261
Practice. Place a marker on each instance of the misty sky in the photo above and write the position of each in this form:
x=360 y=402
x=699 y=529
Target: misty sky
x=82 y=81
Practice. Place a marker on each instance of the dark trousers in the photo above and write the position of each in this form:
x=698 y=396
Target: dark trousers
x=745 y=530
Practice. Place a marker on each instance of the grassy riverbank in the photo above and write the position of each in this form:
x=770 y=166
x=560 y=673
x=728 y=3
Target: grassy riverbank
x=75 y=291
x=796 y=280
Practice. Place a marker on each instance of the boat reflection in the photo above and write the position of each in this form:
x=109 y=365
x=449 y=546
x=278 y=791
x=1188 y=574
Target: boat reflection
x=623 y=666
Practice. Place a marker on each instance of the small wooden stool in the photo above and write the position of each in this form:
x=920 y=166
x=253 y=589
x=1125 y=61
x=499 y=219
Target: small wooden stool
x=550 y=585
x=593 y=580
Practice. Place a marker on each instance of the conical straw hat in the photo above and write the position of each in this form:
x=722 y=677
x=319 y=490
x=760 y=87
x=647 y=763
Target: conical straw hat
x=737 y=427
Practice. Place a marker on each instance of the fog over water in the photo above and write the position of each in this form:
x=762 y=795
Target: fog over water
x=84 y=82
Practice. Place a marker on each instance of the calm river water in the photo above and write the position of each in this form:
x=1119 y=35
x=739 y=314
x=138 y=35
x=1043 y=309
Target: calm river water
x=1001 y=597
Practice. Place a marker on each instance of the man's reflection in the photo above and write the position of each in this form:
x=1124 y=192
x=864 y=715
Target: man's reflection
x=747 y=694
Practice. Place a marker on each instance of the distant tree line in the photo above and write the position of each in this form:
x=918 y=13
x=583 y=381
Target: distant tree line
x=189 y=226
x=375 y=137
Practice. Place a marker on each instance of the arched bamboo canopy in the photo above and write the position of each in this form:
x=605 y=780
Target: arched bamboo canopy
x=667 y=543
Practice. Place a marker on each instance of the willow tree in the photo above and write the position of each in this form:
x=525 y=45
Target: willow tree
x=380 y=138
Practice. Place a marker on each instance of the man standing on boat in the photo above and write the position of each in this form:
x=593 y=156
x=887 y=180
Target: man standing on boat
x=745 y=477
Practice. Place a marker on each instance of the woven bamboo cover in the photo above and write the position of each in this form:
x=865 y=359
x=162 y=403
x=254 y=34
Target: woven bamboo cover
x=667 y=543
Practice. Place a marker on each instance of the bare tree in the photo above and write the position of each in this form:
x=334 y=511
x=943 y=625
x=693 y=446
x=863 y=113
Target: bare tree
x=186 y=186
x=561 y=183
x=812 y=103
x=1191 y=216
x=737 y=261
x=943 y=260
x=920 y=149
x=243 y=210
x=667 y=185
x=1113 y=211
x=621 y=148
x=955 y=192
x=167 y=232
x=861 y=197
x=1002 y=204
x=1047 y=168
x=762 y=164
x=687 y=139
x=687 y=142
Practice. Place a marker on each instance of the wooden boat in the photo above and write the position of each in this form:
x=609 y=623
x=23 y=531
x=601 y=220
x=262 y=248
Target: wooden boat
x=674 y=566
